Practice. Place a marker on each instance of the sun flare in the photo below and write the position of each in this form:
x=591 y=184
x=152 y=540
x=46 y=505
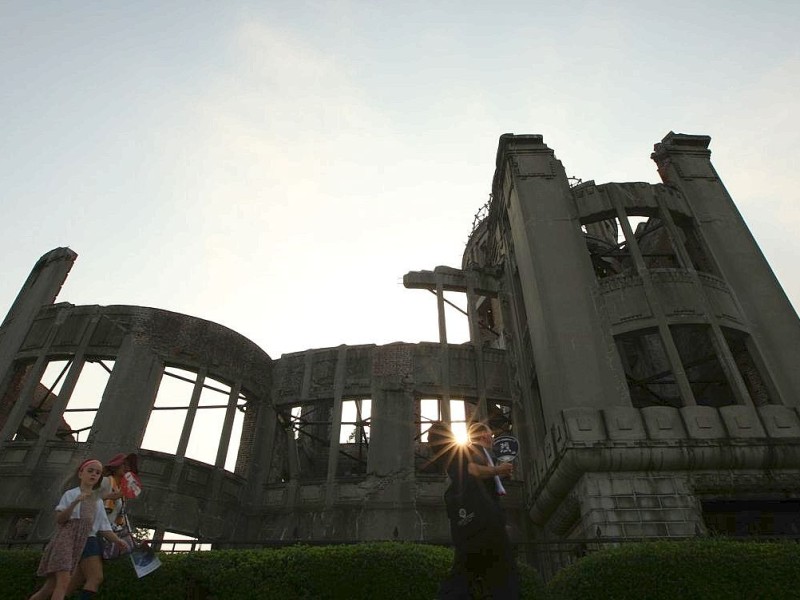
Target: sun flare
x=460 y=433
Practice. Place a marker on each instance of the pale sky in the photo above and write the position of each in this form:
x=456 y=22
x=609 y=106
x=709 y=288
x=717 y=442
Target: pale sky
x=277 y=167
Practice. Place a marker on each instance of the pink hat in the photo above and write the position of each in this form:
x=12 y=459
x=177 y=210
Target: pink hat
x=121 y=458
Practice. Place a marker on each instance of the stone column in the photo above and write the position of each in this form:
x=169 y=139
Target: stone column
x=127 y=400
x=475 y=334
x=191 y=413
x=265 y=431
x=444 y=353
x=388 y=509
x=227 y=426
x=336 y=424
x=41 y=288
x=574 y=359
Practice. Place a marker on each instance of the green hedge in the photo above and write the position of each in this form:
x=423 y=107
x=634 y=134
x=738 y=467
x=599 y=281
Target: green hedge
x=701 y=569
x=698 y=569
x=369 y=571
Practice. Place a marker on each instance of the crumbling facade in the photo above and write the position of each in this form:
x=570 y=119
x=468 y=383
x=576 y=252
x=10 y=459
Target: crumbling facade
x=631 y=336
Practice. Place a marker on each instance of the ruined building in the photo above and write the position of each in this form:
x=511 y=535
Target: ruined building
x=631 y=336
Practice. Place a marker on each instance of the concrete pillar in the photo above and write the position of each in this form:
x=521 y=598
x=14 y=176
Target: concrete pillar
x=227 y=426
x=336 y=423
x=41 y=288
x=391 y=445
x=444 y=353
x=388 y=509
x=194 y=402
x=127 y=400
x=574 y=360
x=266 y=430
x=475 y=333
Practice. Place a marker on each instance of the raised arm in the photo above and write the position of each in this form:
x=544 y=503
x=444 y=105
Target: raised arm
x=64 y=515
x=487 y=472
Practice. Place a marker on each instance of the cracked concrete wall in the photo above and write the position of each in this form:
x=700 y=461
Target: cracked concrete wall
x=391 y=499
x=182 y=495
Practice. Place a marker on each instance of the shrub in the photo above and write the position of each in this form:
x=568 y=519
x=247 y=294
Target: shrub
x=18 y=572
x=698 y=569
x=368 y=570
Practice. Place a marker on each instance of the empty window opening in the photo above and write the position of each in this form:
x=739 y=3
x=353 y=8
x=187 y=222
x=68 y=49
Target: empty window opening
x=456 y=322
x=702 y=366
x=354 y=437
x=169 y=542
x=171 y=408
x=173 y=542
x=693 y=243
x=296 y=422
x=610 y=251
x=458 y=420
x=499 y=419
x=234 y=444
x=647 y=369
x=490 y=322
x=428 y=411
x=635 y=221
x=742 y=350
x=607 y=247
x=164 y=428
x=355 y=421
x=745 y=518
x=302 y=438
x=85 y=399
x=144 y=534
x=208 y=421
x=605 y=230
x=45 y=395
x=486 y=315
x=143 y=531
x=655 y=243
x=311 y=423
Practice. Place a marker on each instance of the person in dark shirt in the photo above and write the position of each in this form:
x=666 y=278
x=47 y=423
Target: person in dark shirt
x=483 y=564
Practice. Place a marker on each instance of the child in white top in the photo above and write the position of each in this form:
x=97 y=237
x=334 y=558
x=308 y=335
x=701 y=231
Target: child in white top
x=79 y=516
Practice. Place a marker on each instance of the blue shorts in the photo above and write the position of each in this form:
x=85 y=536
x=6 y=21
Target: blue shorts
x=92 y=548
